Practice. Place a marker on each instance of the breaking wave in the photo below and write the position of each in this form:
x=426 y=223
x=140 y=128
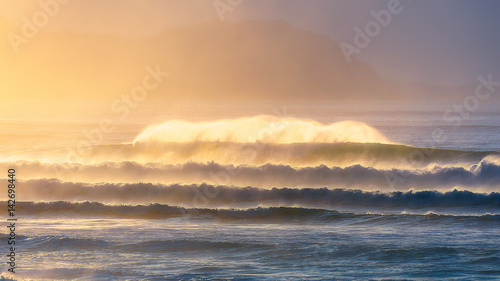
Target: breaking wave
x=264 y=128
x=295 y=154
x=484 y=176
x=209 y=195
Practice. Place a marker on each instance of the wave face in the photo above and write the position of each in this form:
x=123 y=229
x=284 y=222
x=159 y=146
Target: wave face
x=208 y=195
x=374 y=155
x=263 y=128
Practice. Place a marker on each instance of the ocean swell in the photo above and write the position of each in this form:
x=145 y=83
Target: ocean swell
x=482 y=177
x=209 y=195
x=60 y=209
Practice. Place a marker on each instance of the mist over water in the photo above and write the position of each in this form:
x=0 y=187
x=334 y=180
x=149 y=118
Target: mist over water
x=266 y=129
x=211 y=186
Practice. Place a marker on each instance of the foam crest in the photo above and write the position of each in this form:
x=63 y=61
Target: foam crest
x=263 y=128
x=205 y=194
x=483 y=177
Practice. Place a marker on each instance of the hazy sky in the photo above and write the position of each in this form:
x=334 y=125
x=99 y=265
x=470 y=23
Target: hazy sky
x=447 y=42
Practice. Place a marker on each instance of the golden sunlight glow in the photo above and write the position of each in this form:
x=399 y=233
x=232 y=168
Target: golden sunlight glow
x=264 y=128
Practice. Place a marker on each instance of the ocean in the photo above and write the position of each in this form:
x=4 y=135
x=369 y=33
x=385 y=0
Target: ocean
x=353 y=190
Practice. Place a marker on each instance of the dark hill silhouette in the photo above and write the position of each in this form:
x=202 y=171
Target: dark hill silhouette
x=214 y=60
